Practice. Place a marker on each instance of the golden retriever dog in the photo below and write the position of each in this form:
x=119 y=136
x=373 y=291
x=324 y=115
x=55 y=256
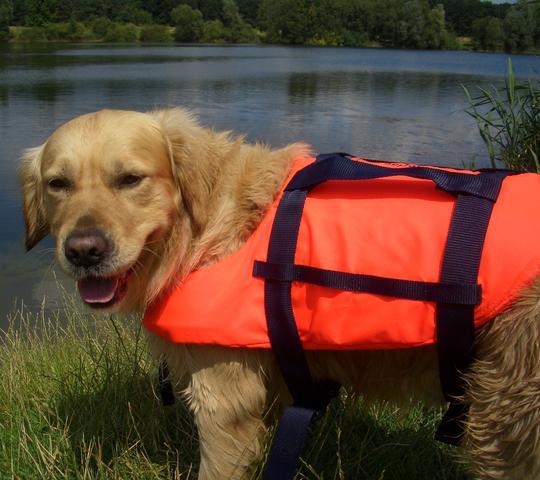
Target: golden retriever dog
x=137 y=201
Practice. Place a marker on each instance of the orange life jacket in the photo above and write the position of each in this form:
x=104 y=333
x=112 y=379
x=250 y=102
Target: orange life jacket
x=391 y=227
x=364 y=255
x=394 y=227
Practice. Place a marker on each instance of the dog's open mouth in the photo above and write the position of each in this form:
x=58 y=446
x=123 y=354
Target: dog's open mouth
x=104 y=292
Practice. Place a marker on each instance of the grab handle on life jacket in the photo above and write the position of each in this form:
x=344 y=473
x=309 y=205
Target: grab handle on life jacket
x=476 y=194
x=484 y=184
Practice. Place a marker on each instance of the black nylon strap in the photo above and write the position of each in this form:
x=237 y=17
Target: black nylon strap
x=459 y=293
x=338 y=167
x=452 y=427
x=288 y=443
x=455 y=323
x=461 y=263
x=165 y=385
x=309 y=396
x=281 y=323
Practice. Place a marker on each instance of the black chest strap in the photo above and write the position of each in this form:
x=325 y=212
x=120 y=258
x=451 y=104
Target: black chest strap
x=456 y=293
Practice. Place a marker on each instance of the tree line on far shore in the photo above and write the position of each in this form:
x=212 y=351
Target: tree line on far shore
x=432 y=24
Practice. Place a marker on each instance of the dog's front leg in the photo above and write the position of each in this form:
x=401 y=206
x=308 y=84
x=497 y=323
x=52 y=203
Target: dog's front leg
x=228 y=397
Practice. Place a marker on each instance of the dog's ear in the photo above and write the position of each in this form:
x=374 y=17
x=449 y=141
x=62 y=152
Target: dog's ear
x=33 y=208
x=194 y=159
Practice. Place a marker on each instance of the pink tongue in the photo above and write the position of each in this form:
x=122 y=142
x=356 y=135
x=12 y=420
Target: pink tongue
x=97 y=290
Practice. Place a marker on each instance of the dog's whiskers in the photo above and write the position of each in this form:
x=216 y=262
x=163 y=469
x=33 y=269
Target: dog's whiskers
x=138 y=263
x=149 y=250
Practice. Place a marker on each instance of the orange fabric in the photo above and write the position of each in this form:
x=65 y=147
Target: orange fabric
x=392 y=227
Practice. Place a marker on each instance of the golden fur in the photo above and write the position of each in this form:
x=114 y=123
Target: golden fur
x=200 y=195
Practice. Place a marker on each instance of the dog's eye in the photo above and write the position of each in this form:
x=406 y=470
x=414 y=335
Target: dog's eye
x=129 y=180
x=57 y=184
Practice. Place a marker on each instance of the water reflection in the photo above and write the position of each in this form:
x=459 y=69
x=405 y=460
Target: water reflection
x=302 y=87
x=4 y=94
x=50 y=90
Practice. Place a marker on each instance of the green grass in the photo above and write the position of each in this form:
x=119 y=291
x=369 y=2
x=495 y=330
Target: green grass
x=78 y=401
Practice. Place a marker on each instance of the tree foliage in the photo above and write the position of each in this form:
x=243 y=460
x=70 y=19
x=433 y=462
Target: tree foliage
x=122 y=33
x=461 y=14
x=161 y=10
x=519 y=26
x=156 y=33
x=39 y=12
x=286 y=21
x=488 y=33
x=392 y=23
x=189 y=23
x=249 y=9
x=6 y=16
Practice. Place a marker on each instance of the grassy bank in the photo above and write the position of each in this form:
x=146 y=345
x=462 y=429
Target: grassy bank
x=78 y=401
x=213 y=32
x=97 y=30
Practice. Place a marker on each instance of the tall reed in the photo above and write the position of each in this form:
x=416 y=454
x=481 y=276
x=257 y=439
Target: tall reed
x=508 y=119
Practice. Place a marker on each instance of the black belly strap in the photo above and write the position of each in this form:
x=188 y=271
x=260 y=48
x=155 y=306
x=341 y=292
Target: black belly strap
x=456 y=293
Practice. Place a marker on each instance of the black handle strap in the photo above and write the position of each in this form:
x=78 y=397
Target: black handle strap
x=340 y=167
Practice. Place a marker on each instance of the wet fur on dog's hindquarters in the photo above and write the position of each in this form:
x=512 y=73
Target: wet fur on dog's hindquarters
x=199 y=194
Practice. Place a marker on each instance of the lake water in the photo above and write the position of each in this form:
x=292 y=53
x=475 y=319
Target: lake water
x=398 y=105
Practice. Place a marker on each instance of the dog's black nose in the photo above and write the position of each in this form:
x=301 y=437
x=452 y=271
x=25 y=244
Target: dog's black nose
x=86 y=248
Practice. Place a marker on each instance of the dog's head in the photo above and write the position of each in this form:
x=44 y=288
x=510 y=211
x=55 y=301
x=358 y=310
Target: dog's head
x=117 y=191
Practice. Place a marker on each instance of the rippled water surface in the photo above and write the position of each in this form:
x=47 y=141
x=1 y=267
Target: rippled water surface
x=384 y=104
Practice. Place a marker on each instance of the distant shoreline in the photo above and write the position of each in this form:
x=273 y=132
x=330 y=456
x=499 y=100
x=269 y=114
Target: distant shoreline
x=23 y=35
x=225 y=44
